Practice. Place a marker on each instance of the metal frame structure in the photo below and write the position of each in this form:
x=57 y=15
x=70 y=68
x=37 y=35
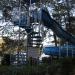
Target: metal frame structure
x=34 y=38
x=21 y=32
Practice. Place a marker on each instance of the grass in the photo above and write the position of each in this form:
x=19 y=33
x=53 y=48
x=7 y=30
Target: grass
x=22 y=70
x=64 y=66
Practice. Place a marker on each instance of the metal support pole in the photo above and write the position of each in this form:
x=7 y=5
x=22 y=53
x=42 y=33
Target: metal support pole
x=19 y=32
x=67 y=49
x=59 y=49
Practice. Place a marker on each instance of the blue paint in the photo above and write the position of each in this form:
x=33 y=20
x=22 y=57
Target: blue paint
x=54 y=51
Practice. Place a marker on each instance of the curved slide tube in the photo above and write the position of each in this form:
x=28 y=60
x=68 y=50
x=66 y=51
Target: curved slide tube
x=49 y=23
x=56 y=27
x=56 y=51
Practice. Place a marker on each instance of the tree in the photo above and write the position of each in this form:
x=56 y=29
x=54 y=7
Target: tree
x=62 y=13
x=11 y=45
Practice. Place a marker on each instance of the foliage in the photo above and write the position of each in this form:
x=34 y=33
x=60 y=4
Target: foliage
x=12 y=45
x=64 y=66
x=46 y=60
x=28 y=70
x=6 y=59
x=67 y=66
x=32 y=61
x=62 y=13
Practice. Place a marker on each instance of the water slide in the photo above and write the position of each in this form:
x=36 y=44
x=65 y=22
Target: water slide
x=62 y=51
x=56 y=51
x=57 y=29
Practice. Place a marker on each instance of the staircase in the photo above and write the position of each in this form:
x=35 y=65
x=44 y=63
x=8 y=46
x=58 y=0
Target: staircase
x=34 y=40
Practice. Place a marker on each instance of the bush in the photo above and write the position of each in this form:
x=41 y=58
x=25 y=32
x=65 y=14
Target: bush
x=46 y=60
x=23 y=70
x=66 y=66
x=62 y=67
x=6 y=59
x=32 y=61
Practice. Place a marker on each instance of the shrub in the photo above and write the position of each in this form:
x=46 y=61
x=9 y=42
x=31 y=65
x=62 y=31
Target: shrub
x=66 y=66
x=32 y=61
x=6 y=59
x=46 y=60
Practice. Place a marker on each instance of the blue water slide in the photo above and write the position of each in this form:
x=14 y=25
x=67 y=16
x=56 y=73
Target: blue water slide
x=56 y=27
x=49 y=23
x=56 y=51
x=51 y=50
